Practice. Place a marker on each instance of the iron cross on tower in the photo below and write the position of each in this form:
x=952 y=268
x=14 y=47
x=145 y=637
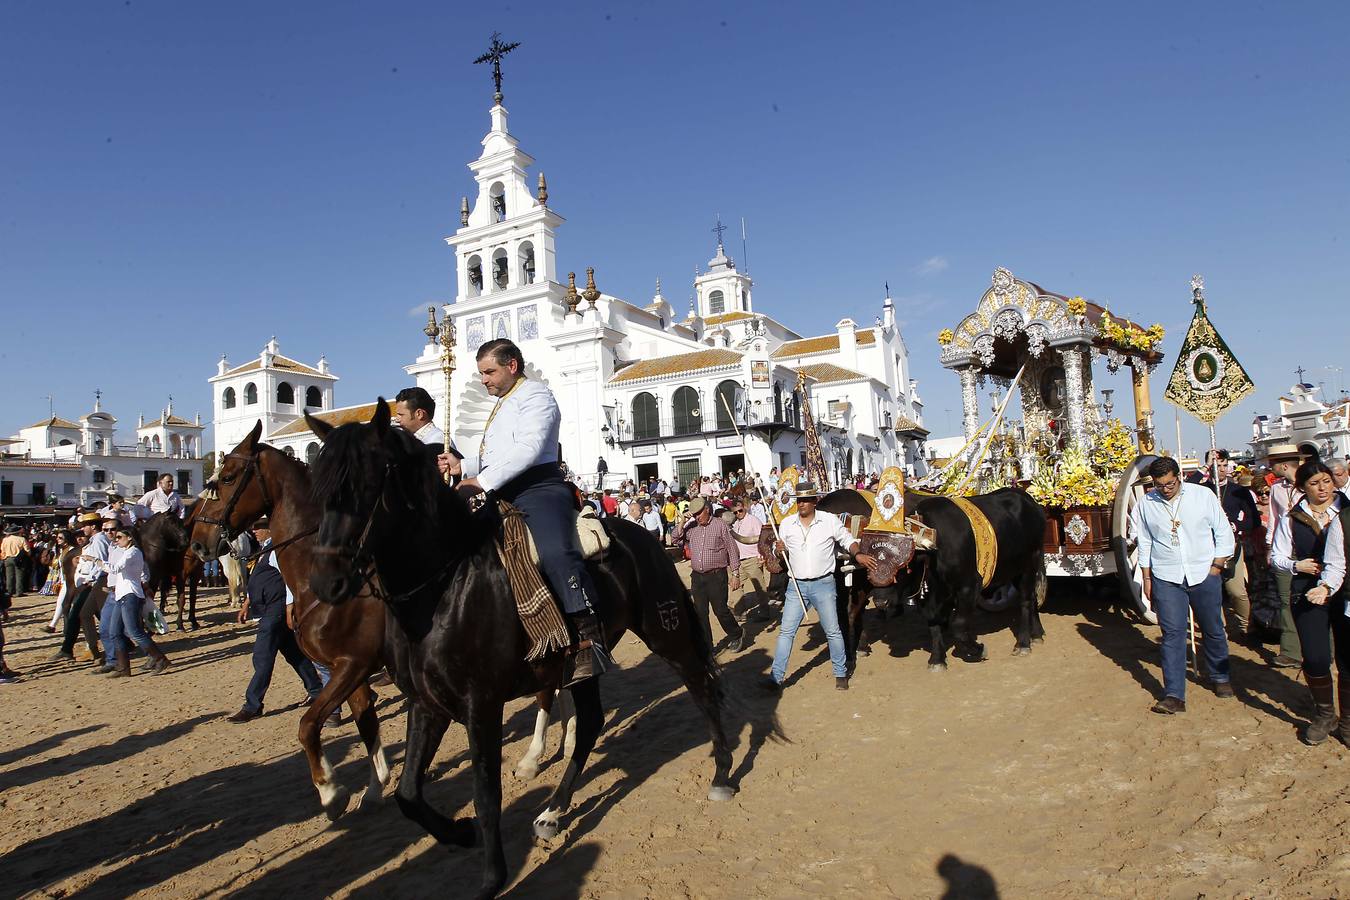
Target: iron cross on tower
x=496 y=50
x=719 y=228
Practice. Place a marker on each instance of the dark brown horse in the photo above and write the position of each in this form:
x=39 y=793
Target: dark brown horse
x=257 y=479
x=457 y=647
x=164 y=539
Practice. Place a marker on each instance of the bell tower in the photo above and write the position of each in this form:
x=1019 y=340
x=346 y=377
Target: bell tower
x=722 y=289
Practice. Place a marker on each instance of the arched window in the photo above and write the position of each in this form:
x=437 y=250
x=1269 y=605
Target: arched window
x=646 y=424
x=286 y=393
x=227 y=399
x=474 y=268
x=497 y=193
x=154 y=443
x=777 y=401
x=717 y=303
x=250 y=394
x=290 y=451
x=175 y=445
x=313 y=397
x=727 y=398
x=687 y=415
x=525 y=253
x=311 y=452
x=501 y=270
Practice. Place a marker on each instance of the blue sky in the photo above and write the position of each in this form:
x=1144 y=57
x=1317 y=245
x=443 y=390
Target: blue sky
x=183 y=180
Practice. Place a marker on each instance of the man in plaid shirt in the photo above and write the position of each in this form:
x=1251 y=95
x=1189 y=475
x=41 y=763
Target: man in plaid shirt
x=716 y=561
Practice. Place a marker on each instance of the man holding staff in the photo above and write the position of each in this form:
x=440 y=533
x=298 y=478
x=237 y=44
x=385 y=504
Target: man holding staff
x=809 y=537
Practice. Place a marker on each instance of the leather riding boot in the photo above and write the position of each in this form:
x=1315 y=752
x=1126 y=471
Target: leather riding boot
x=1324 y=720
x=593 y=659
x=123 y=669
x=156 y=661
x=1343 y=685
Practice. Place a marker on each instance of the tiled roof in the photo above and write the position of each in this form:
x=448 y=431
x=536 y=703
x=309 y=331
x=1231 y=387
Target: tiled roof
x=723 y=318
x=173 y=420
x=826 y=373
x=677 y=364
x=284 y=363
x=905 y=423
x=824 y=344
x=343 y=416
x=55 y=422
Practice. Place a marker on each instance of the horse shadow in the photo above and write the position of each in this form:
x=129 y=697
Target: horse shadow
x=45 y=744
x=173 y=830
x=100 y=755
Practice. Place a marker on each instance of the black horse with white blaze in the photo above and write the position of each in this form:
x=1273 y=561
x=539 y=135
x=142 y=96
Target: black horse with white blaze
x=453 y=639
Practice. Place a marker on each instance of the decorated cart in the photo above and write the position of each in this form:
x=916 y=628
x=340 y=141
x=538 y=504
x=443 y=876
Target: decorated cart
x=1083 y=465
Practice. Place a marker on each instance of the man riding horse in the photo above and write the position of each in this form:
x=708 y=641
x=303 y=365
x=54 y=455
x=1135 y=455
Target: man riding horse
x=517 y=461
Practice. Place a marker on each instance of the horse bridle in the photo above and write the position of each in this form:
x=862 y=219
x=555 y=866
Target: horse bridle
x=250 y=469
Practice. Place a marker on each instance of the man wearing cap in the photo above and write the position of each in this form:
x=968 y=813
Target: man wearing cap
x=809 y=536
x=267 y=598
x=1284 y=460
x=86 y=606
x=715 y=561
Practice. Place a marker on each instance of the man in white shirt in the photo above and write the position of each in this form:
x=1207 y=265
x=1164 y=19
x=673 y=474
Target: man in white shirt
x=518 y=462
x=1284 y=460
x=1185 y=540
x=163 y=498
x=809 y=536
x=414 y=410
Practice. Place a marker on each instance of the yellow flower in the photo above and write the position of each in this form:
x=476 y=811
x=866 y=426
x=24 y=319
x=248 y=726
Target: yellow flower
x=945 y=336
x=1077 y=306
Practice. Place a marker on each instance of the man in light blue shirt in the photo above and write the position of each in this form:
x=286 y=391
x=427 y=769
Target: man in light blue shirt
x=1185 y=540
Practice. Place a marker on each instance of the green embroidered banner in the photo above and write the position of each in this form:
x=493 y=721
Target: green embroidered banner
x=1207 y=380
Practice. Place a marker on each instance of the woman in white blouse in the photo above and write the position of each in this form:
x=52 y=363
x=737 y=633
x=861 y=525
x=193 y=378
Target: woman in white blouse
x=127 y=574
x=1310 y=545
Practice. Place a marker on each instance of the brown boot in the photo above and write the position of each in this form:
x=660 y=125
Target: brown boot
x=590 y=660
x=123 y=663
x=157 y=662
x=1324 y=720
x=1343 y=686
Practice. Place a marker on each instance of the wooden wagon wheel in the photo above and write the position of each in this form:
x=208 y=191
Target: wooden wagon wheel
x=1134 y=483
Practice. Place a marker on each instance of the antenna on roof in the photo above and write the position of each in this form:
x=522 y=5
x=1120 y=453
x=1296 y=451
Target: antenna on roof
x=745 y=254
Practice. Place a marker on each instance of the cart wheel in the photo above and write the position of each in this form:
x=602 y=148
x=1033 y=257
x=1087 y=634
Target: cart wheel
x=1134 y=484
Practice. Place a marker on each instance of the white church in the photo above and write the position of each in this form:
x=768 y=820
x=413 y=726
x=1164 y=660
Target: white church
x=644 y=389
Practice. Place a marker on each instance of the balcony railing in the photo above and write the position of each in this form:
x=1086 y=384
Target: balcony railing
x=669 y=426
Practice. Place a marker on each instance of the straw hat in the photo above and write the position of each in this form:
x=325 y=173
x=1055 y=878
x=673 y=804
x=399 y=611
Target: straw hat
x=1281 y=452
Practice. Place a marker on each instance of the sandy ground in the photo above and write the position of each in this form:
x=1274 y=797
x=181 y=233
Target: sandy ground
x=1019 y=777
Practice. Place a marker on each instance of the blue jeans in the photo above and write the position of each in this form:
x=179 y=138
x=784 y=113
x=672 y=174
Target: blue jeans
x=820 y=595
x=1171 y=601
x=123 y=620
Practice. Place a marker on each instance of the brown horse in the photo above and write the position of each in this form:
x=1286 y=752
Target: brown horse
x=257 y=479
x=164 y=541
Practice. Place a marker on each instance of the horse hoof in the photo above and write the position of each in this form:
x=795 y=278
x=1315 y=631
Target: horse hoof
x=370 y=798
x=937 y=667
x=1021 y=651
x=527 y=772
x=720 y=793
x=1038 y=640
x=338 y=805
x=546 y=826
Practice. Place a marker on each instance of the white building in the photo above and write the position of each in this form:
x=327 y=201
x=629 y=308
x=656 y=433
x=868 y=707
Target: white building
x=78 y=462
x=273 y=388
x=1307 y=423
x=645 y=390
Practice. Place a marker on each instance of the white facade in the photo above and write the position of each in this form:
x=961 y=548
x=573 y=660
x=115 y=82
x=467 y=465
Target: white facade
x=638 y=386
x=1305 y=422
x=273 y=388
x=79 y=463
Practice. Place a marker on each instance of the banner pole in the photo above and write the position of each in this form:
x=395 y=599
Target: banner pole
x=745 y=453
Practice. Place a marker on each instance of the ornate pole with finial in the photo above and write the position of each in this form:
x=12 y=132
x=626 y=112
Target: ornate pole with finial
x=444 y=334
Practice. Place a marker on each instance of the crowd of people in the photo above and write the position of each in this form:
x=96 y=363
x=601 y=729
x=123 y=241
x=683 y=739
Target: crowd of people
x=1273 y=542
